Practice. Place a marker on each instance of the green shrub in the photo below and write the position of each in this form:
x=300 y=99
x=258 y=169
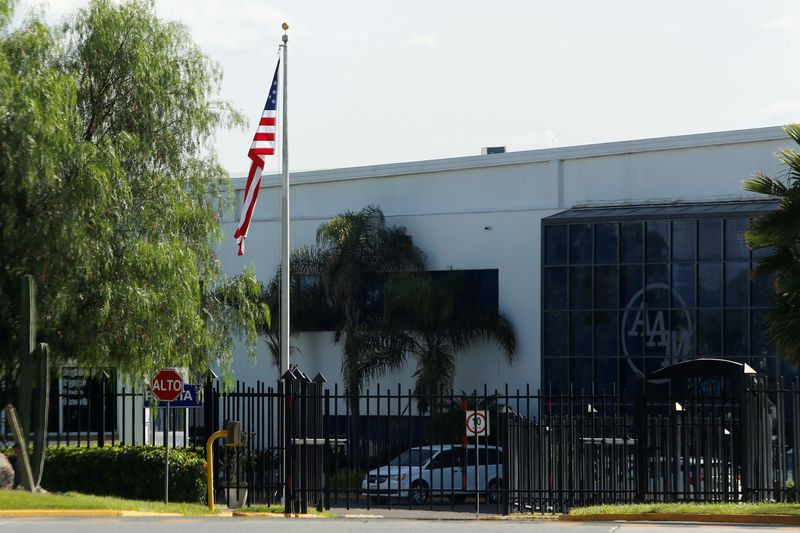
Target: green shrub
x=133 y=472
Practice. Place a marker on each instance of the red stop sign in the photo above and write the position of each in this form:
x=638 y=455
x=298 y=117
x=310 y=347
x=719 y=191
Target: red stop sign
x=166 y=385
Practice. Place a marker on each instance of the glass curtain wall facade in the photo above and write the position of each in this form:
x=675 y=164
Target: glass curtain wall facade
x=629 y=290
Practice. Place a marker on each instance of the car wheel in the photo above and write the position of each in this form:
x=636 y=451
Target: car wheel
x=419 y=492
x=493 y=493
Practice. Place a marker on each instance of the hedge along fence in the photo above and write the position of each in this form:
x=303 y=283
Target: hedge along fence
x=133 y=472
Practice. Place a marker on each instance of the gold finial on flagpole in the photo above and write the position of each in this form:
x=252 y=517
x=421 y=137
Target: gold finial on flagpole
x=285 y=26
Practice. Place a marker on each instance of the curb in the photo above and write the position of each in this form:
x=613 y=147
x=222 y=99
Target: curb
x=247 y=514
x=78 y=512
x=769 y=519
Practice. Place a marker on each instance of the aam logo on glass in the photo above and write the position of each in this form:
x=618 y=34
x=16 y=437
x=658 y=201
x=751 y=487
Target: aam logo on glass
x=655 y=331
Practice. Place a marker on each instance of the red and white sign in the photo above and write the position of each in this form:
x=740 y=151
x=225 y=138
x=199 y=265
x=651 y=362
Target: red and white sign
x=166 y=385
x=477 y=423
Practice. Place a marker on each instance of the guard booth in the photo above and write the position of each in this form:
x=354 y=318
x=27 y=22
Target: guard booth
x=703 y=433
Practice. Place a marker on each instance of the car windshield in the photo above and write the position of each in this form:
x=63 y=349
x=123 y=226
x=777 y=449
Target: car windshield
x=411 y=458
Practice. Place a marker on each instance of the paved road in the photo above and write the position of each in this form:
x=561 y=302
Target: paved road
x=279 y=525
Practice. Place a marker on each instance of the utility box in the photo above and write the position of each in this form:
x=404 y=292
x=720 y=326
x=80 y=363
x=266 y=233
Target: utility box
x=234 y=430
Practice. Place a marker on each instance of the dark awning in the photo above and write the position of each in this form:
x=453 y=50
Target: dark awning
x=702 y=368
x=672 y=210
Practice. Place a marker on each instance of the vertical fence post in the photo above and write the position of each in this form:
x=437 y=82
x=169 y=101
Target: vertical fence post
x=640 y=424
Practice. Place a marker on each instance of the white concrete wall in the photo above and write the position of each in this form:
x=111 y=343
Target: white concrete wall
x=446 y=204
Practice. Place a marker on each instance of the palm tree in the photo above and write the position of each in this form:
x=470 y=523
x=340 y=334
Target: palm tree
x=425 y=318
x=357 y=245
x=779 y=232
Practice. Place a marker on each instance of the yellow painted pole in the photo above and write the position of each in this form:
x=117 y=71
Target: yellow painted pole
x=210 y=465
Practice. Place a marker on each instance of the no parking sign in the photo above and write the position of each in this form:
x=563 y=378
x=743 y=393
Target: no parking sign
x=477 y=424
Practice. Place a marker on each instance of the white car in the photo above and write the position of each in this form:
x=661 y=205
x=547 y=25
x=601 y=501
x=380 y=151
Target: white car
x=438 y=470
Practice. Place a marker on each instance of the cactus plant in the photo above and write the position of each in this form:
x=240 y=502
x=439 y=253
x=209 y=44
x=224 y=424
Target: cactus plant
x=33 y=380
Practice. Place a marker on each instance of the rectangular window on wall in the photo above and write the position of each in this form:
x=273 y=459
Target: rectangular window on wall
x=762 y=291
x=632 y=243
x=555 y=287
x=555 y=342
x=735 y=248
x=710 y=240
x=605 y=287
x=737 y=281
x=556 y=375
x=555 y=245
x=735 y=338
x=606 y=237
x=709 y=332
x=631 y=282
x=709 y=285
x=657 y=242
x=580 y=287
x=606 y=334
x=684 y=240
x=657 y=281
x=581 y=374
x=580 y=333
x=683 y=285
x=580 y=244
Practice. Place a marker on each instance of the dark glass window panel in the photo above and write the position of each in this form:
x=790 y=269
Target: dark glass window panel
x=683 y=285
x=606 y=375
x=656 y=282
x=709 y=285
x=605 y=287
x=555 y=245
x=682 y=334
x=605 y=334
x=761 y=345
x=580 y=287
x=709 y=332
x=762 y=291
x=631 y=374
x=581 y=374
x=657 y=242
x=735 y=338
x=605 y=243
x=632 y=242
x=556 y=375
x=736 y=284
x=580 y=244
x=555 y=334
x=735 y=248
x=710 y=240
x=580 y=333
x=788 y=370
x=684 y=240
x=632 y=332
x=631 y=283
x=656 y=332
x=555 y=288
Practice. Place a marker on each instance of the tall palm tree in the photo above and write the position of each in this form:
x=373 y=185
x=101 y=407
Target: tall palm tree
x=357 y=245
x=779 y=232
x=424 y=318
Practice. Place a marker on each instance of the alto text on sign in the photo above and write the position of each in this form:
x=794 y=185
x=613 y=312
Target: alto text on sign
x=166 y=385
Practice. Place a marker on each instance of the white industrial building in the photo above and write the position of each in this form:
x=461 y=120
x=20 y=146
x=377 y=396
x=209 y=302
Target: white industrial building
x=486 y=212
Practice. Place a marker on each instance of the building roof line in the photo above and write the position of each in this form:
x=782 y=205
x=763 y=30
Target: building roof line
x=696 y=140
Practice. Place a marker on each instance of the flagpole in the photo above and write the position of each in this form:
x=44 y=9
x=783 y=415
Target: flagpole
x=284 y=316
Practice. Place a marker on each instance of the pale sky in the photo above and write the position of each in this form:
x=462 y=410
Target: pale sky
x=385 y=81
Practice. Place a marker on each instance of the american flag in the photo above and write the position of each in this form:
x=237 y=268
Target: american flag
x=263 y=145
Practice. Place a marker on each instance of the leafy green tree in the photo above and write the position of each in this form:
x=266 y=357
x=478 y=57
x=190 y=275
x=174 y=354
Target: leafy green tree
x=111 y=192
x=425 y=318
x=778 y=233
x=355 y=245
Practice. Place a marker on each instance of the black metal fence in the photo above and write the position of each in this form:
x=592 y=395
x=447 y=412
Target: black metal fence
x=314 y=446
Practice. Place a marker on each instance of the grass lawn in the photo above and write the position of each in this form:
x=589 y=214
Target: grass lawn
x=18 y=499
x=693 y=508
